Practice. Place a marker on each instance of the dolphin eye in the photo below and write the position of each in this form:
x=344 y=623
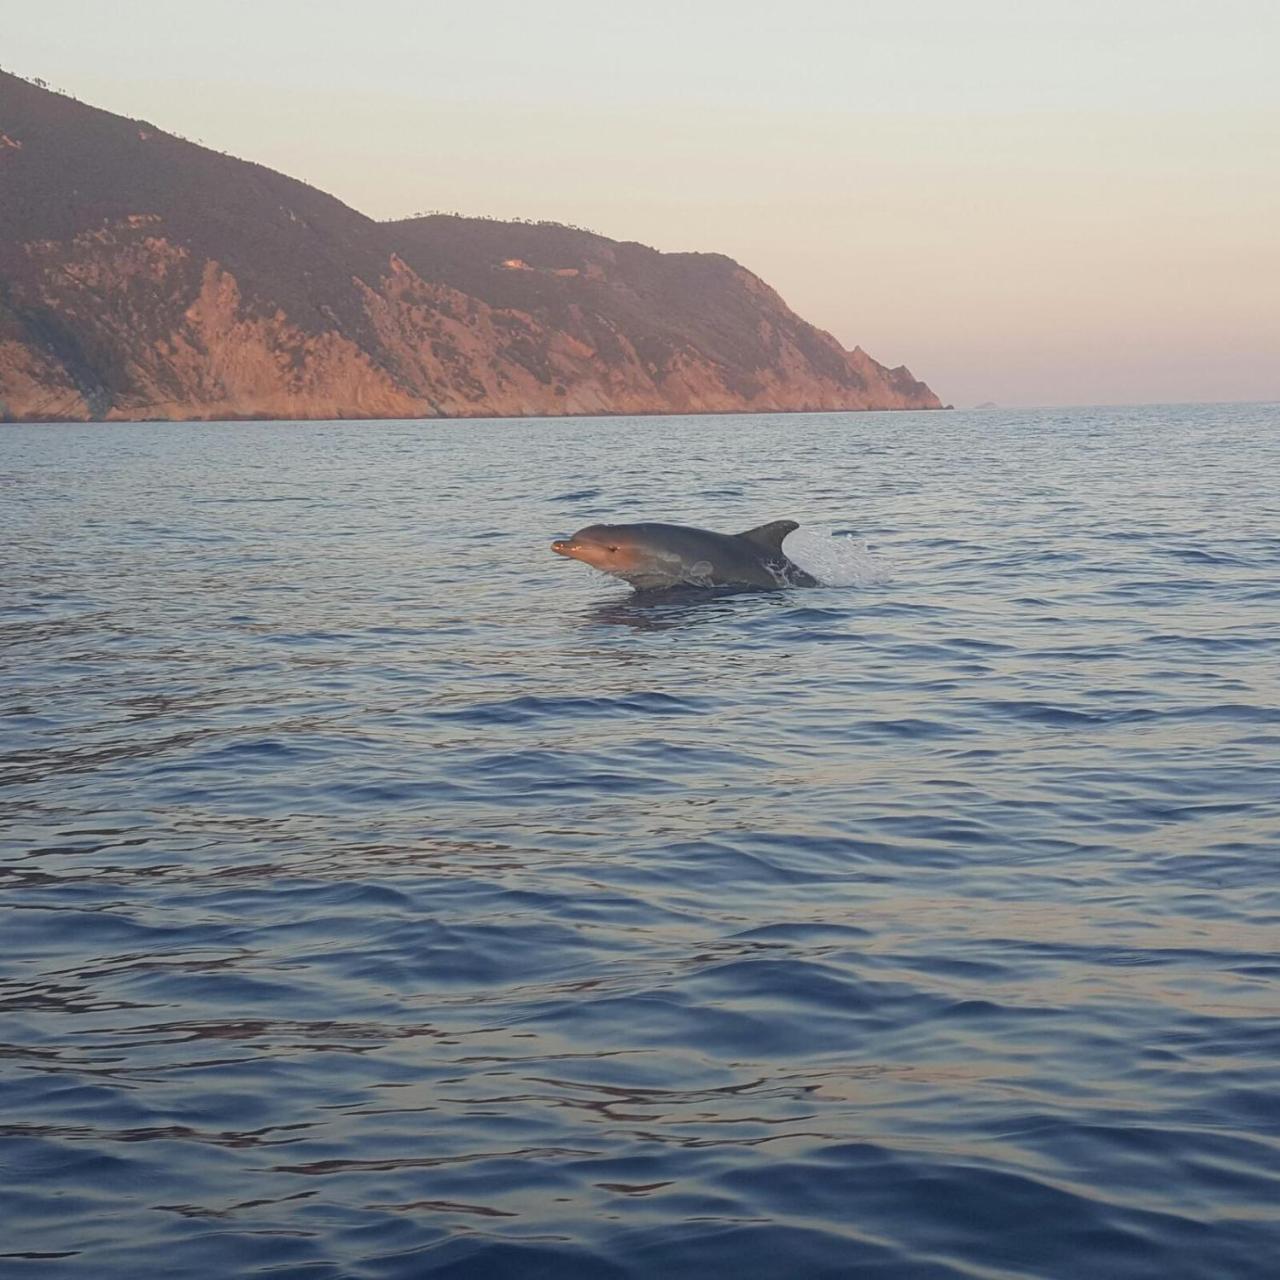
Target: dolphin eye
x=611 y=548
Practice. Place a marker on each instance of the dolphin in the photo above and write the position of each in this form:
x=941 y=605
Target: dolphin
x=653 y=556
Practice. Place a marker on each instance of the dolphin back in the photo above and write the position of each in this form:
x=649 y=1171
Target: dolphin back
x=765 y=541
x=768 y=537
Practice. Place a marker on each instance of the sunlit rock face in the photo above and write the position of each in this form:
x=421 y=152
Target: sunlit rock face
x=142 y=276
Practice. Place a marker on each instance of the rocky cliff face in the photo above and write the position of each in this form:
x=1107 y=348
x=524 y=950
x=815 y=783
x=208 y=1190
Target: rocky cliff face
x=144 y=277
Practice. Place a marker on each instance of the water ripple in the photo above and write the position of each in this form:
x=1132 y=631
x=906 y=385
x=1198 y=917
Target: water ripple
x=384 y=897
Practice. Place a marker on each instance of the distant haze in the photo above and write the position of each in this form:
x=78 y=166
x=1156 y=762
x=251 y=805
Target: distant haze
x=1041 y=203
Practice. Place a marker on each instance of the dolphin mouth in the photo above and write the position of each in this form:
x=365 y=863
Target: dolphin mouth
x=563 y=546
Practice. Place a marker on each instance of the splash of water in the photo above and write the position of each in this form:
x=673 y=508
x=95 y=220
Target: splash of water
x=835 y=559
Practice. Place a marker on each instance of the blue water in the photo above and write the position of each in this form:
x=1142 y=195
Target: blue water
x=383 y=896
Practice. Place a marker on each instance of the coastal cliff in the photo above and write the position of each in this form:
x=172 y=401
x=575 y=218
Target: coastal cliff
x=146 y=277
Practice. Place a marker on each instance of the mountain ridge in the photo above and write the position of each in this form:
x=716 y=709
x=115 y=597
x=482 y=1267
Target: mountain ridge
x=146 y=277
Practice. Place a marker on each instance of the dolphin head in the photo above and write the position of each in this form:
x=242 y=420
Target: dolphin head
x=626 y=552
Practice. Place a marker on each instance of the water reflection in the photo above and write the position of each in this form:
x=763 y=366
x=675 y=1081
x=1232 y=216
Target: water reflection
x=676 y=608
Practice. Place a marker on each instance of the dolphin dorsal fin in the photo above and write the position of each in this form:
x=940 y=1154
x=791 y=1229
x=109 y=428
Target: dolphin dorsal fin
x=770 y=536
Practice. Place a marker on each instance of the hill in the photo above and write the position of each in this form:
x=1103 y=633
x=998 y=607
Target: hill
x=144 y=276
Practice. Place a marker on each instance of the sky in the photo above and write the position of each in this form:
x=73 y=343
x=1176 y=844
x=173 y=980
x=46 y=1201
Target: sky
x=1026 y=202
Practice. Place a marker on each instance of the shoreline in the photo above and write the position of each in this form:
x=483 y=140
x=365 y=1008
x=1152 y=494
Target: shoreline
x=464 y=417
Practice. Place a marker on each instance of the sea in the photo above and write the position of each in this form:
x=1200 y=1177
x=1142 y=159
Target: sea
x=384 y=896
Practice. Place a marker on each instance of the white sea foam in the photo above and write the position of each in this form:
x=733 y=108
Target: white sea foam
x=836 y=559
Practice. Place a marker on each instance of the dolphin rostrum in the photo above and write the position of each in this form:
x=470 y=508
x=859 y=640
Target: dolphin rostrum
x=653 y=556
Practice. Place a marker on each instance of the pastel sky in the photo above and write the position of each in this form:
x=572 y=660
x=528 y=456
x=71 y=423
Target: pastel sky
x=1026 y=201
